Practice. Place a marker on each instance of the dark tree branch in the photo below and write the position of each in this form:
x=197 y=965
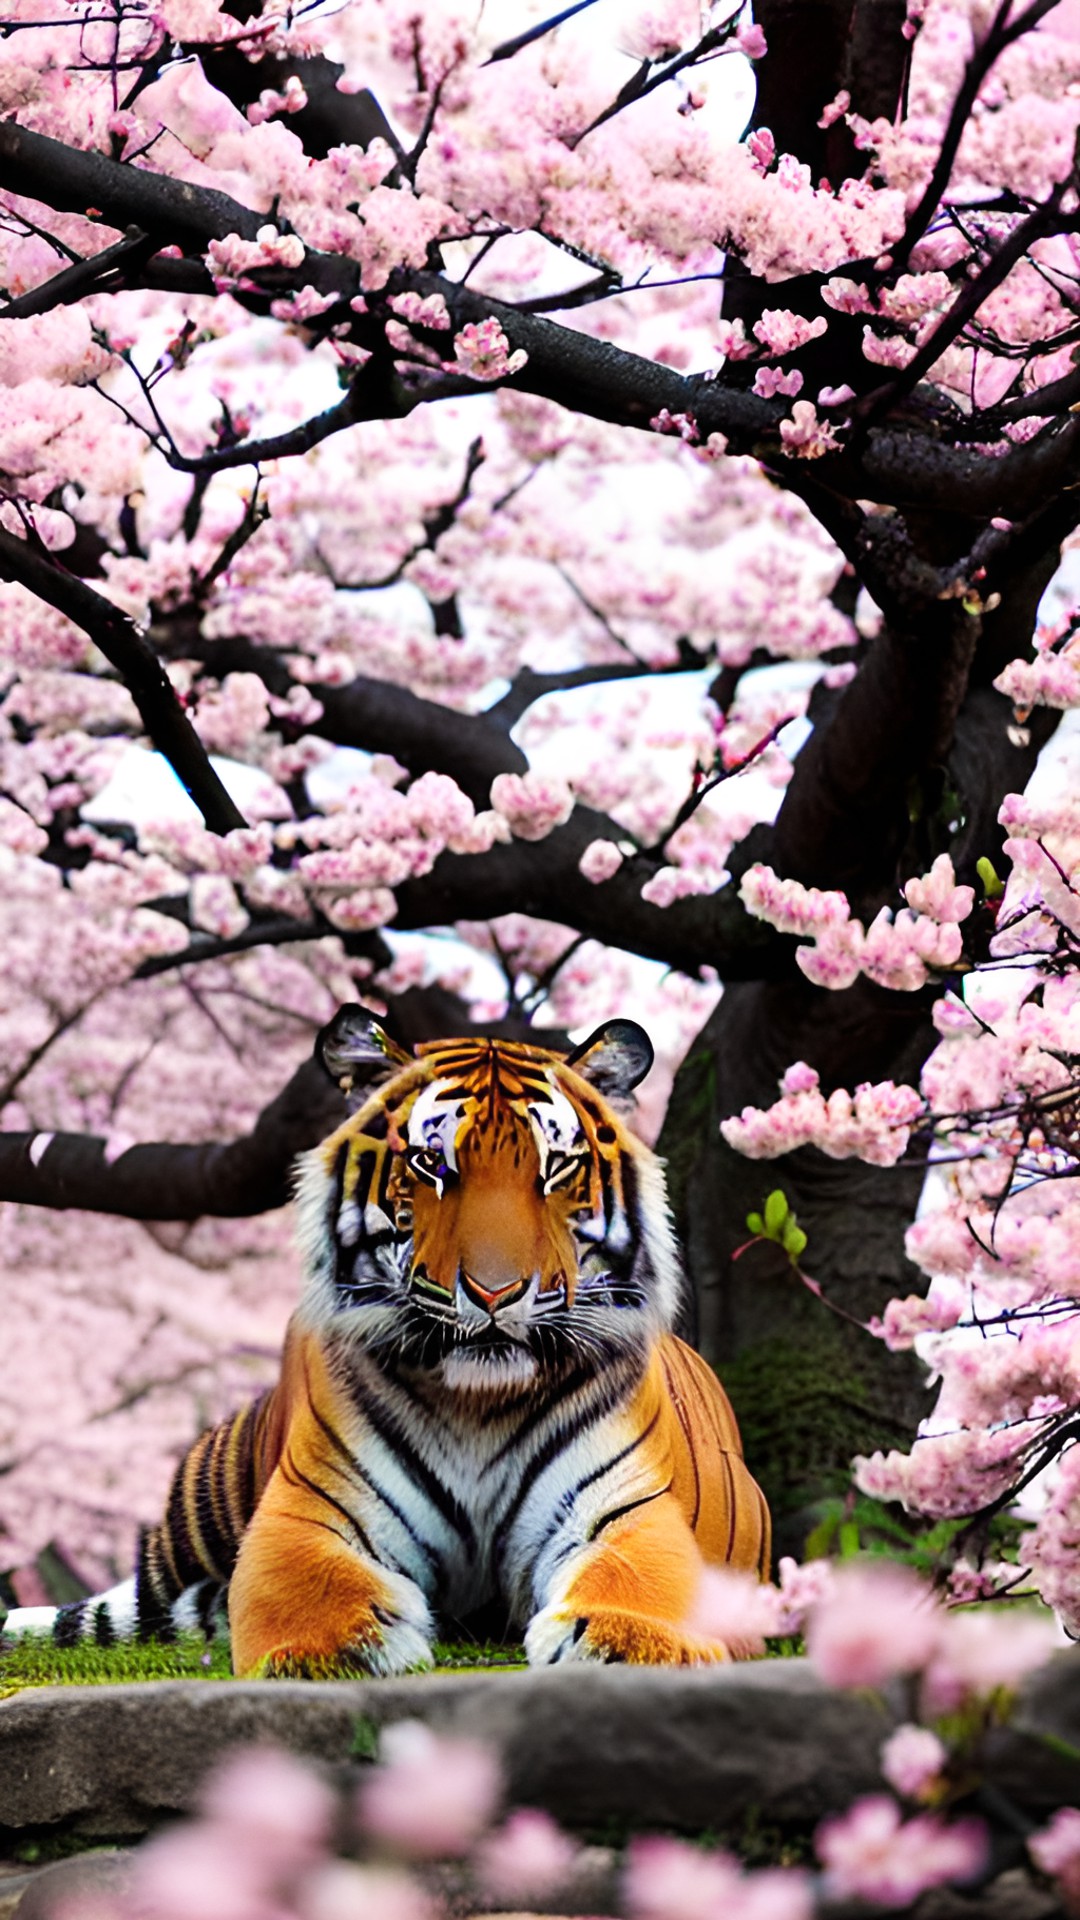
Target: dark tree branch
x=126 y=649
x=652 y=74
x=1000 y=34
x=898 y=465
x=271 y=930
x=167 y=1182
x=808 y=42
x=844 y=815
x=507 y=48
x=368 y=398
x=543 y=878
x=73 y=179
x=528 y=686
x=374 y=715
x=1046 y=220
x=100 y=273
x=330 y=118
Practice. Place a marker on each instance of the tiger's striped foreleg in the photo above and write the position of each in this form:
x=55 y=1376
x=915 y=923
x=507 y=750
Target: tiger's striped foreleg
x=310 y=1593
x=306 y=1600
x=618 y=1575
x=627 y=1594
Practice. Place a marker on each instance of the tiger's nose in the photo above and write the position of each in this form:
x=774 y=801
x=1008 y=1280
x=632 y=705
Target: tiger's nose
x=491 y=1299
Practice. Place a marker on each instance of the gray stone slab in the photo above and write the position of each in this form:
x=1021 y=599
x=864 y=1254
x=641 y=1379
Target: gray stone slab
x=1035 y=1758
x=688 y=1748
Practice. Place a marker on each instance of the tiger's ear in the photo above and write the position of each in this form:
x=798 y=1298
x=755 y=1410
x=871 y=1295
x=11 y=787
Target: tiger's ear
x=614 y=1058
x=357 y=1052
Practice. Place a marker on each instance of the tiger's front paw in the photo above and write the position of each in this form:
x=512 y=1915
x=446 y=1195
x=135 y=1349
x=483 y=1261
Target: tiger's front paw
x=346 y=1616
x=608 y=1634
x=381 y=1644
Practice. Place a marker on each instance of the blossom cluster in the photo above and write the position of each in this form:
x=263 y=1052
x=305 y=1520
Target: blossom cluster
x=899 y=951
x=873 y=1124
x=997 y=1239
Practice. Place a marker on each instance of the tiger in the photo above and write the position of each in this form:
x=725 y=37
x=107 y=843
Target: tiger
x=482 y=1399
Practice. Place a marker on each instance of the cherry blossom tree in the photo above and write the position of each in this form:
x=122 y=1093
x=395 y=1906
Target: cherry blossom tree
x=422 y=437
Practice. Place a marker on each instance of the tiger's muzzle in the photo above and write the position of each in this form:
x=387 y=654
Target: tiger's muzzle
x=492 y=1299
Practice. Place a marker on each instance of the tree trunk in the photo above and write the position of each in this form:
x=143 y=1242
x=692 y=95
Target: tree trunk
x=809 y=1388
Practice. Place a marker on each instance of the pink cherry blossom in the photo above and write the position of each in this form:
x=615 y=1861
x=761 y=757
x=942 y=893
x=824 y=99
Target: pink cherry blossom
x=600 y=860
x=781 y=331
x=340 y=1889
x=532 y=803
x=1055 y=1850
x=482 y=350
x=804 y=435
x=670 y=1880
x=983 y=1650
x=429 y=1797
x=871 y=1853
x=525 y=1859
x=769 y=381
x=912 y=1759
x=752 y=41
x=876 y=1622
x=735 y=1609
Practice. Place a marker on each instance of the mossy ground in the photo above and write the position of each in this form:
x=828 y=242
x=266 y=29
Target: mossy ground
x=34 y=1661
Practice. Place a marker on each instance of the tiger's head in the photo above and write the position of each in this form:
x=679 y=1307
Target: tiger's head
x=485 y=1213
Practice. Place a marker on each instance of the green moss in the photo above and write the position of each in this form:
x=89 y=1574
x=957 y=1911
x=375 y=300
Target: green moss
x=473 y=1654
x=34 y=1661
x=42 y=1845
x=804 y=1409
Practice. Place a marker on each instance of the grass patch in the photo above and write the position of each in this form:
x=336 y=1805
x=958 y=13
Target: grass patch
x=35 y=1661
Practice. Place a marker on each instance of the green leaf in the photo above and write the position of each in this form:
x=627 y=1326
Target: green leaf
x=755 y=1223
x=776 y=1212
x=794 y=1238
x=365 y=1740
x=849 y=1539
x=819 y=1541
x=987 y=873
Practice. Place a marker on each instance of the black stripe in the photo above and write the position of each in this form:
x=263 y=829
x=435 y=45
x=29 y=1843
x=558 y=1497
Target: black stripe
x=68 y=1625
x=206 y=1599
x=356 y=1471
x=246 y=1467
x=568 y=1500
x=324 y=1426
x=219 y=1547
x=288 y=1463
x=104 y=1631
x=580 y=1377
x=422 y=1546
x=152 y=1615
x=556 y=1443
x=393 y=1435
x=619 y=1513
x=617 y=1458
x=365 y=1168
x=174 y=1529
x=732 y=1503
x=147 y=1605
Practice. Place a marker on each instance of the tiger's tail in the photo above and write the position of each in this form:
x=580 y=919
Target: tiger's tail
x=185 y=1563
